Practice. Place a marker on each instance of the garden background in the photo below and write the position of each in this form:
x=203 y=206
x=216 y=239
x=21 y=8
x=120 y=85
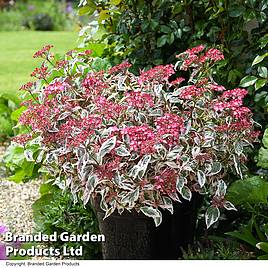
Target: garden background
x=146 y=33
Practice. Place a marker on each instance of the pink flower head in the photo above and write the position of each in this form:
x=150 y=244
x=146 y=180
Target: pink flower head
x=169 y=128
x=27 y=86
x=76 y=131
x=189 y=59
x=177 y=81
x=40 y=73
x=38 y=117
x=159 y=73
x=108 y=109
x=165 y=182
x=142 y=138
x=241 y=112
x=215 y=87
x=94 y=84
x=120 y=68
x=22 y=138
x=237 y=93
x=242 y=124
x=85 y=53
x=191 y=92
x=56 y=88
x=213 y=54
x=222 y=105
x=195 y=50
x=61 y=64
x=139 y=99
x=43 y=52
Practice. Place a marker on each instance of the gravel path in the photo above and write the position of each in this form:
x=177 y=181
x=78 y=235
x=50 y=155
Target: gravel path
x=15 y=204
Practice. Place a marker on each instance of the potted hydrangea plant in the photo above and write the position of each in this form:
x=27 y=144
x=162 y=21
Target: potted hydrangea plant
x=138 y=146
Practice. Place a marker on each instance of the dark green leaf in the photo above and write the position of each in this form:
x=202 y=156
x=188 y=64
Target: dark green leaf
x=165 y=29
x=161 y=41
x=236 y=11
x=250 y=190
x=244 y=235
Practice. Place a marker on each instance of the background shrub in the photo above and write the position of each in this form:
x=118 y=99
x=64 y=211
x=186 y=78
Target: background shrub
x=38 y=15
x=149 y=33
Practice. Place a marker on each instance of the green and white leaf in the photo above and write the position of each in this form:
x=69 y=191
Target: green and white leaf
x=221 y=188
x=214 y=168
x=211 y=216
x=186 y=193
x=152 y=213
x=28 y=155
x=168 y=204
x=259 y=58
x=107 y=147
x=229 y=206
x=122 y=151
x=181 y=181
x=201 y=178
x=248 y=81
x=237 y=166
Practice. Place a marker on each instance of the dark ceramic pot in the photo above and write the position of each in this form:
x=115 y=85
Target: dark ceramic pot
x=133 y=236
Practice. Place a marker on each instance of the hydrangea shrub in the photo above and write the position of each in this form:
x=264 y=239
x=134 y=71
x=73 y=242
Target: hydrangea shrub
x=139 y=142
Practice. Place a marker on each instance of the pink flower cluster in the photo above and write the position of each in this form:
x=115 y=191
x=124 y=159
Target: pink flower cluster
x=108 y=109
x=237 y=93
x=191 y=57
x=177 y=81
x=191 y=92
x=233 y=100
x=94 y=84
x=165 y=182
x=40 y=73
x=139 y=99
x=215 y=87
x=122 y=67
x=56 y=87
x=76 y=131
x=61 y=64
x=27 y=86
x=240 y=125
x=107 y=170
x=159 y=74
x=85 y=53
x=142 y=138
x=22 y=138
x=222 y=105
x=212 y=54
x=195 y=50
x=43 y=52
x=241 y=112
x=169 y=128
x=38 y=117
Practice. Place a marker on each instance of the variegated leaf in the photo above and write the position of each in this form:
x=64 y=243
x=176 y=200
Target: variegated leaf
x=211 y=216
